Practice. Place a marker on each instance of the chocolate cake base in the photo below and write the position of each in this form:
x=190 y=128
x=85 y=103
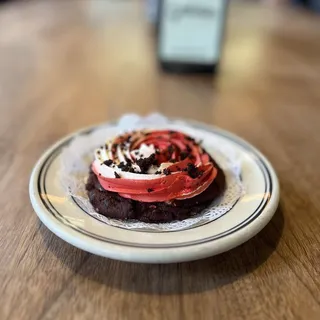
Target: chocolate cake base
x=111 y=205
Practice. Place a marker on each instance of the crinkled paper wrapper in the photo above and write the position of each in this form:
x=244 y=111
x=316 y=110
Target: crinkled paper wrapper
x=77 y=156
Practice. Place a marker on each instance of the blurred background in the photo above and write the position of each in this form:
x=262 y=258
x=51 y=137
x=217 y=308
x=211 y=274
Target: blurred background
x=68 y=64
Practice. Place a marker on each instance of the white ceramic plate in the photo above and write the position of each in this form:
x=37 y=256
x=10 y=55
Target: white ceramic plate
x=69 y=222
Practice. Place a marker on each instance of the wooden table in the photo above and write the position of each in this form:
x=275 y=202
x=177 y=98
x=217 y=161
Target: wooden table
x=68 y=64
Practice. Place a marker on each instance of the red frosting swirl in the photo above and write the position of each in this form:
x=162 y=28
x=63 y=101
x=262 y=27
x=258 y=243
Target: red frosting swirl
x=188 y=169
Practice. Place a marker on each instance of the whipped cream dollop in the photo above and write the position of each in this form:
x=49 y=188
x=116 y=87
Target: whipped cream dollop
x=160 y=165
x=123 y=157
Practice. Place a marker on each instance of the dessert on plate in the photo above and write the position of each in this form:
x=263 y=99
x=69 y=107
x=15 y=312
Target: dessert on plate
x=153 y=176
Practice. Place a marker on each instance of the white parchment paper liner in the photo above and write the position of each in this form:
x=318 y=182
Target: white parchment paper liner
x=77 y=156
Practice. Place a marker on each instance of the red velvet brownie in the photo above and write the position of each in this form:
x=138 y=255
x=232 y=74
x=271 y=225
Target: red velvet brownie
x=153 y=176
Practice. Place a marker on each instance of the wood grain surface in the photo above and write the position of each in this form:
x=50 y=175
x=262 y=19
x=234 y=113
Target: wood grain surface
x=69 y=64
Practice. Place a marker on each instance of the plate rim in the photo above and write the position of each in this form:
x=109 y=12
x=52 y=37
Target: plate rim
x=153 y=255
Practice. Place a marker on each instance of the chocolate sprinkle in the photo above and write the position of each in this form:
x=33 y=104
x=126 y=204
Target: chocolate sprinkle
x=128 y=160
x=150 y=189
x=166 y=171
x=108 y=162
x=125 y=166
x=193 y=172
x=117 y=175
x=146 y=163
